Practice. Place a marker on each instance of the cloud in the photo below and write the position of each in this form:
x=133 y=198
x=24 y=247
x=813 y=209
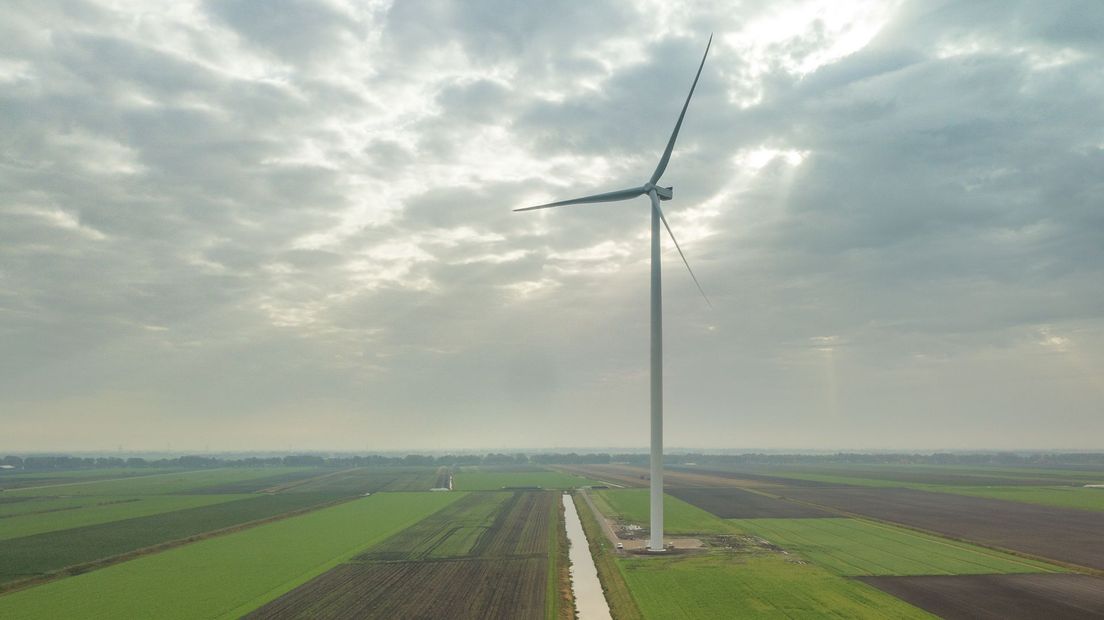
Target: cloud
x=230 y=210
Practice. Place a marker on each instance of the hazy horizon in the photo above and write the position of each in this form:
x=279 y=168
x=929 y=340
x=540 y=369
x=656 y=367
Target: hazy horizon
x=252 y=225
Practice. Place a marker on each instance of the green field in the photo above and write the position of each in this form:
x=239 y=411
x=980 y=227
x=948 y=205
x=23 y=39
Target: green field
x=451 y=532
x=173 y=482
x=18 y=479
x=1062 y=497
x=361 y=480
x=480 y=480
x=679 y=517
x=856 y=547
x=65 y=514
x=35 y=555
x=229 y=575
x=722 y=585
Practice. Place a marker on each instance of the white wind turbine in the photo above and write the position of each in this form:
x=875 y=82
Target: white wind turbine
x=656 y=194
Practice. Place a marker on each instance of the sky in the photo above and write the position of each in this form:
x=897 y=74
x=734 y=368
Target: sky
x=287 y=224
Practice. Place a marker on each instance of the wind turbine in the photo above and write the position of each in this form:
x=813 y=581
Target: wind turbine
x=656 y=194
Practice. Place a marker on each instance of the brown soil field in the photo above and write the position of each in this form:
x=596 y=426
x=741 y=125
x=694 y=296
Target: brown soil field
x=450 y=565
x=733 y=503
x=462 y=588
x=1063 y=534
x=1008 y=597
x=521 y=527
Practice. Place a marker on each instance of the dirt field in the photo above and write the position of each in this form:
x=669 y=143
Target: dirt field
x=484 y=556
x=463 y=588
x=1061 y=534
x=999 y=596
x=732 y=503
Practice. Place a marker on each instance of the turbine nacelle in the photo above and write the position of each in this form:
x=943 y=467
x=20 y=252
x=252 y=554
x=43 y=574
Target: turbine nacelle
x=664 y=193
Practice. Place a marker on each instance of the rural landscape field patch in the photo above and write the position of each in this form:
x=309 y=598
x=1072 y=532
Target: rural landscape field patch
x=857 y=547
x=720 y=586
x=679 y=517
x=230 y=574
x=484 y=556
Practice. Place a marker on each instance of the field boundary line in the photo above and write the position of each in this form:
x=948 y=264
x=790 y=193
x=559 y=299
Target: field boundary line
x=86 y=567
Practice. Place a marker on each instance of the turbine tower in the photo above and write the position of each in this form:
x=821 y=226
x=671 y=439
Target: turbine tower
x=655 y=194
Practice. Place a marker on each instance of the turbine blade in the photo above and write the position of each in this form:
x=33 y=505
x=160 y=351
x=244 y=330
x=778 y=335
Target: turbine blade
x=684 y=261
x=621 y=194
x=674 y=134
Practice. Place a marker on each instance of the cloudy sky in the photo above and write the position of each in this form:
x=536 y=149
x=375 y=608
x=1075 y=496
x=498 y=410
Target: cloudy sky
x=252 y=224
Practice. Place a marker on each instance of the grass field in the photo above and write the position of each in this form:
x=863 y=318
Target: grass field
x=93 y=510
x=856 y=547
x=479 y=480
x=229 y=575
x=174 y=482
x=362 y=480
x=679 y=517
x=762 y=586
x=31 y=556
x=451 y=532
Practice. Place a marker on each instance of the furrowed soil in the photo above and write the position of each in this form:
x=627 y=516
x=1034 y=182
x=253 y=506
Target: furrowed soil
x=485 y=556
x=733 y=503
x=1063 y=534
x=1007 y=597
x=457 y=588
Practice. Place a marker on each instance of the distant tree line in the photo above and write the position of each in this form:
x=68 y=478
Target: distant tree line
x=62 y=462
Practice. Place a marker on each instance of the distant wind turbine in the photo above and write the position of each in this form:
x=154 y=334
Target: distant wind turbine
x=656 y=194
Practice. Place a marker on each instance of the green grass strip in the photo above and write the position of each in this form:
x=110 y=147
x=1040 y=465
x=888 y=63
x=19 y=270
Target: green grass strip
x=229 y=575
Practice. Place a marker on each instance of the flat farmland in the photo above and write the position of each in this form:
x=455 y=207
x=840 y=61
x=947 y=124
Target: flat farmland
x=474 y=588
x=39 y=554
x=174 y=482
x=1062 y=534
x=769 y=585
x=228 y=575
x=18 y=479
x=53 y=515
x=679 y=517
x=361 y=480
x=1063 y=497
x=1000 y=597
x=449 y=533
x=856 y=547
x=734 y=503
x=492 y=480
x=490 y=555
